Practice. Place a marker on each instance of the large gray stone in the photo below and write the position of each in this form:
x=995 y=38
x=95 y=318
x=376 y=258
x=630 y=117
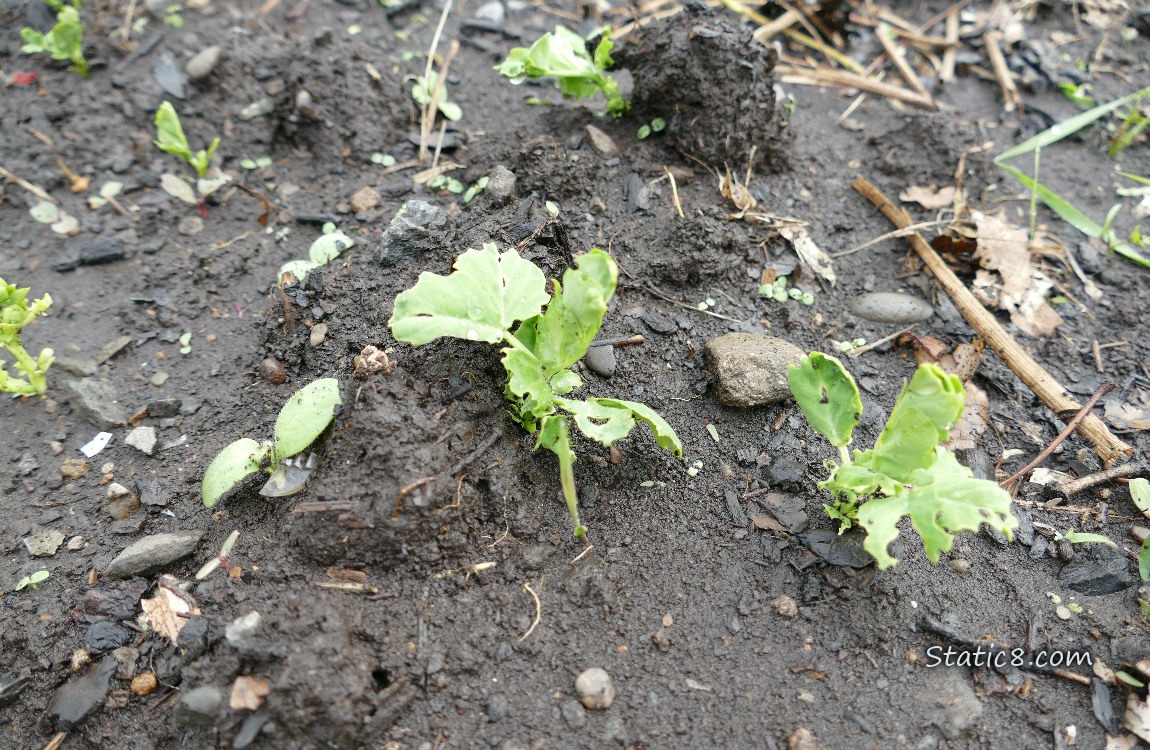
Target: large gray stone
x=414 y=223
x=80 y=695
x=751 y=370
x=956 y=708
x=153 y=553
x=500 y=185
x=891 y=307
x=98 y=402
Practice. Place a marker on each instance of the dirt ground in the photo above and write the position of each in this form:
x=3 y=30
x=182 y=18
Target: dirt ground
x=468 y=608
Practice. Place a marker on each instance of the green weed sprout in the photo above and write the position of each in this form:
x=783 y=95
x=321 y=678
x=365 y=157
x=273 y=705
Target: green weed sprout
x=562 y=54
x=15 y=313
x=483 y=299
x=38 y=577
x=326 y=248
x=906 y=473
x=65 y=41
x=301 y=420
x=170 y=138
x=422 y=91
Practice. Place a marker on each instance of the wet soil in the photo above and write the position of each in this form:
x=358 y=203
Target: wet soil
x=479 y=607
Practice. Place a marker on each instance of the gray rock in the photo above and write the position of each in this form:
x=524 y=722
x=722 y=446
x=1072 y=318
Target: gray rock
x=637 y=192
x=414 y=223
x=751 y=370
x=500 y=185
x=77 y=697
x=98 y=402
x=164 y=408
x=595 y=689
x=573 y=714
x=600 y=359
x=955 y=707
x=153 y=553
x=243 y=629
x=1097 y=574
x=81 y=368
x=105 y=635
x=127 y=658
x=603 y=144
x=121 y=502
x=44 y=543
x=891 y=307
x=27 y=465
x=142 y=439
x=497 y=707
x=171 y=78
x=491 y=11
x=199 y=707
x=205 y=61
x=251 y=727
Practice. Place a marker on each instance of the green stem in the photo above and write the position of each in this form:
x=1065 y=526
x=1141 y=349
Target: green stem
x=844 y=455
x=567 y=480
x=36 y=381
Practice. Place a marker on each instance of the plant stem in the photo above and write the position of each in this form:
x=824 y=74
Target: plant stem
x=567 y=480
x=36 y=381
x=844 y=455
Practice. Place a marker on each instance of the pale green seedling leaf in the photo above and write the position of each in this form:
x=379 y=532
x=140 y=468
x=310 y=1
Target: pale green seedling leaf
x=45 y=212
x=298 y=268
x=1144 y=560
x=575 y=313
x=488 y=292
x=565 y=381
x=602 y=423
x=177 y=187
x=305 y=415
x=327 y=247
x=827 y=395
x=231 y=466
x=856 y=479
x=170 y=136
x=527 y=383
x=664 y=434
x=946 y=499
x=1080 y=537
x=921 y=418
x=1140 y=493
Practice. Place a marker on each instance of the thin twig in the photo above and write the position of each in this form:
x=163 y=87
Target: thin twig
x=1109 y=447
x=34 y=190
x=675 y=193
x=538 y=612
x=843 y=78
x=866 y=348
x=891 y=235
x=1103 y=389
x=895 y=54
x=1001 y=71
x=403 y=493
x=950 y=56
x=660 y=295
x=1090 y=480
x=427 y=113
x=56 y=741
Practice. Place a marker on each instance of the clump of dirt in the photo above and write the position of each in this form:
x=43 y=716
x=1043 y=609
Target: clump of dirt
x=716 y=81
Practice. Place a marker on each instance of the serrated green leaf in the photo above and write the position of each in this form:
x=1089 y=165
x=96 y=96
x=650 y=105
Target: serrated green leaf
x=946 y=499
x=231 y=466
x=602 y=423
x=562 y=54
x=565 y=381
x=827 y=395
x=856 y=479
x=527 y=383
x=935 y=393
x=575 y=313
x=487 y=293
x=305 y=415
x=899 y=452
x=664 y=434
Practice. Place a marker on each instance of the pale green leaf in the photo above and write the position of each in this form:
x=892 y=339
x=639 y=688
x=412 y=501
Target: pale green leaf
x=1144 y=560
x=1069 y=126
x=935 y=393
x=451 y=110
x=231 y=466
x=527 y=383
x=565 y=381
x=827 y=395
x=1140 y=493
x=178 y=187
x=664 y=434
x=170 y=133
x=487 y=293
x=602 y=423
x=327 y=247
x=856 y=479
x=305 y=415
x=45 y=212
x=1079 y=537
x=298 y=268
x=946 y=499
x=575 y=313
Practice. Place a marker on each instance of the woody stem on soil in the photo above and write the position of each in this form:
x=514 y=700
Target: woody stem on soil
x=1108 y=447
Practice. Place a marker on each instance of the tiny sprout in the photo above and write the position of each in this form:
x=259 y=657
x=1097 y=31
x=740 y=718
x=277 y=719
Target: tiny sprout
x=694 y=469
x=38 y=577
x=644 y=132
x=795 y=293
x=552 y=209
x=455 y=186
x=186 y=343
x=807 y=298
x=782 y=281
x=222 y=559
x=780 y=294
x=386 y=160
x=658 y=125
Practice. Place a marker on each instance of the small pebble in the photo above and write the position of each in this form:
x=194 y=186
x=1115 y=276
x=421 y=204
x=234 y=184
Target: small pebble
x=273 y=371
x=144 y=683
x=785 y=606
x=74 y=468
x=77 y=543
x=142 y=439
x=959 y=565
x=159 y=378
x=595 y=689
x=80 y=659
x=121 y=502
x=318 y=334
x=891 y=307
x=365 y=199
x=202 y=65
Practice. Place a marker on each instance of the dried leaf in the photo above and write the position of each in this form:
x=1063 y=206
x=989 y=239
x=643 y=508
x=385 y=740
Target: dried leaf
x=248 y=693
x=930 y=198
x=1004 y=248
x=168 y=611
x=809 y=253
x=969 y=428
x=1125 y=416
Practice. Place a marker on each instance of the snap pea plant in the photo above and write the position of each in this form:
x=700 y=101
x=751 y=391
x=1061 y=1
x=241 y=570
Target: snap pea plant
x=170 y=138
x=65 y=40
x=485 y=297
x=906 y=473
x=305 y=415
x=15 y=313
x=563 y=55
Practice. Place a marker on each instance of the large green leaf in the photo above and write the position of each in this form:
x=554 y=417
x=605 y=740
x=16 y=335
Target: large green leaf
x=305 y=415
x=664 y=434
x=238 y=460
x=602 y=423
x=527 y=383
x=827 y=395
x=946 y=499
x=576 y=312
x=921 y=419
x=480 y=301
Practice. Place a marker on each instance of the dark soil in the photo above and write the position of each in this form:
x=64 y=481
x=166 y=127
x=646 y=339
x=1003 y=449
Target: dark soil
x=433 y=492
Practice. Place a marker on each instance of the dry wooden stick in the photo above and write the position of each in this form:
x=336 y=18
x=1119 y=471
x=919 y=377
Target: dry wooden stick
x=842 y=78
x=428 y=111
x=993 y=41
x=946 y=75
x=1103 y=389
x=768 y=30
x=1108 y=447
x=894 y=54
x=1075 y=486
x=33 y=189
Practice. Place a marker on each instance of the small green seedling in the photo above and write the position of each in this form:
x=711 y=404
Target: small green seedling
x=781 y=291
x=563 y=55
x=423 y=90
x=173 y=16
x=479 y=186
x=170 y=138
x=658 y=125
x=15 y=313
x=220 y=559
x=38 y=577
x=300 y=422
x=326 y=248
x=65 y=41
x=1140 y=494
x=906 y=473
x=386 y=160
x=482 y=301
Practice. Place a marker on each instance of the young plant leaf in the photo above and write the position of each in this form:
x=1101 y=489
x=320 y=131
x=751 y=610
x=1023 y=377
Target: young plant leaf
x=946 y=499
x=827 y=395
x=170 y=136
x=921 y=418
x=1079 y=537
x=527 y=385
x=305 y=415
x=575 y=313
x=554 y=436
x=857 y=480
x=488 y=292
x=1140 y=493
x=602 y=423
x=664 y=434
x=562 y=54
x=1069 y=126
x=231 y=466
x=1144 y=560
x=937 y=394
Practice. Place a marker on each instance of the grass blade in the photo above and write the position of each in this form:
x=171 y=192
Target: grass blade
x=1069 y=127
